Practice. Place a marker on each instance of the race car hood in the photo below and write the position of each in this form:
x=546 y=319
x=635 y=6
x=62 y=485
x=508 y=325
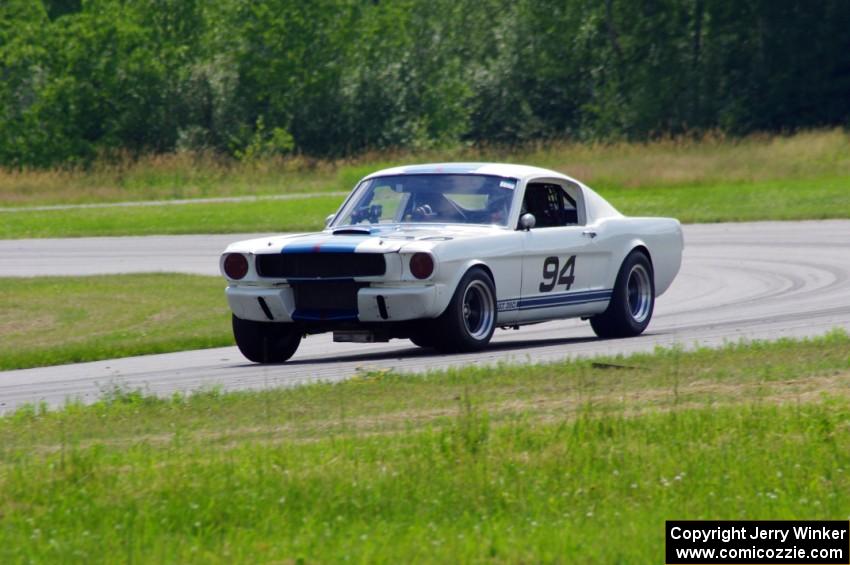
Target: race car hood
x=366 y=239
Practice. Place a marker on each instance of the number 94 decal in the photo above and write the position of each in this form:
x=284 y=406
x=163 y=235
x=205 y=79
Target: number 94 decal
x=555 y=275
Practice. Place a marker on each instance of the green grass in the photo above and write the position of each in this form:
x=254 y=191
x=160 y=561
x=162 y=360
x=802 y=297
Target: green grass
x=739 y=202
x=178 y=176
x=668 y=163
x=568 y=462
x=789 y=200
x=53 y=320
x=257 y=216
x=804 y=176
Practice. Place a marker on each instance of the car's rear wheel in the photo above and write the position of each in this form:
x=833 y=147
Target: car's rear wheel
x=470 y=318
x=632 y=301
x=266 y=342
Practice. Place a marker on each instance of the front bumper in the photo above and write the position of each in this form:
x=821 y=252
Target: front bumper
x=400 y=303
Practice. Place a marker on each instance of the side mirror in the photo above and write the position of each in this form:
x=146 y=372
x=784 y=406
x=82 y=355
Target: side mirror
x=329 y=219
x=527 y=221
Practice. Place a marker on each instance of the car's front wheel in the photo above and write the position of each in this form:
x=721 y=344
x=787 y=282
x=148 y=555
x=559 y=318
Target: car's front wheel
x=470 y=318
x=632 y=301
x=266 y=342
x=423 y=339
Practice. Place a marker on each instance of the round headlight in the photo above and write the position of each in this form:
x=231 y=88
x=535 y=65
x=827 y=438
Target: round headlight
x=421 y=265
x=235 y=266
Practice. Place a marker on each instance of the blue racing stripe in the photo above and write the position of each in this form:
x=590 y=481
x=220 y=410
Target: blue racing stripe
x=567 y=297
x=573 y=303
x=341 y=247
x=563 y=299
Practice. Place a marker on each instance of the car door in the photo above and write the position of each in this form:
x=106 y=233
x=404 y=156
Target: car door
x=563 y=267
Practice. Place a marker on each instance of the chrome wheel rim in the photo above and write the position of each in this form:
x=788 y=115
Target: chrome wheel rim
x=478 y=310
x=639 y=293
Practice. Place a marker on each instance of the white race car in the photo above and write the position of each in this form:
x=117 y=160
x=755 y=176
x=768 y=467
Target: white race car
x=443 y=255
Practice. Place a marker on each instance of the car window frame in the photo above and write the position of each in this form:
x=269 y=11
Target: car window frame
x=570 y=188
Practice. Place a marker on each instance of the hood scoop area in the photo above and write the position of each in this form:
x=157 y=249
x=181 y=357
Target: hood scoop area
x=353 y=230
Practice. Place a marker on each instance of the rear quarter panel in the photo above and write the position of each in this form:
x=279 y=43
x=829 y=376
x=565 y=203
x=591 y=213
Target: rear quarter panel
x=662 y=237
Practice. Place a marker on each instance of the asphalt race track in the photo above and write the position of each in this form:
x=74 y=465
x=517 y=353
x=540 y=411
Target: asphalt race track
x=104 y=255
x=754 y=281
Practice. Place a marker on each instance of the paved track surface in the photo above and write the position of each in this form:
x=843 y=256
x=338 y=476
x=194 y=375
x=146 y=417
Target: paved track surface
x=760 y=280
x=104 y=255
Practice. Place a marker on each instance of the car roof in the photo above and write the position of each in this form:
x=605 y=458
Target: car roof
x=519 y=172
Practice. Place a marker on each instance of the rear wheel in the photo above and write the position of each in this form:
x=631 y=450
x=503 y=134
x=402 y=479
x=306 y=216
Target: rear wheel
x=632 y=301
x=266 y=342
x=470 y=318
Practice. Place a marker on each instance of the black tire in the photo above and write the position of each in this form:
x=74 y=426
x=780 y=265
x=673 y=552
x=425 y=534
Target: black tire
x=470 y=318
x=423 y=339
x=266 y=342
x=632 y=302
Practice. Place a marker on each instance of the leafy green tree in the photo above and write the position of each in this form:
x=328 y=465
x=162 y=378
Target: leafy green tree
x=83 y=79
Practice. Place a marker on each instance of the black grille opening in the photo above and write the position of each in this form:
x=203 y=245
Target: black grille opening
x=326 y=296
x=325 y=301
x=321 y=265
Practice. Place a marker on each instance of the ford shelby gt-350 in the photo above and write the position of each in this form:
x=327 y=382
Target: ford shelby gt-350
x=443 y=255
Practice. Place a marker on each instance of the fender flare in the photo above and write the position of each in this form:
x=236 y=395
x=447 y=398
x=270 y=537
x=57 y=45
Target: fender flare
x=450 y=286
x=619 y=257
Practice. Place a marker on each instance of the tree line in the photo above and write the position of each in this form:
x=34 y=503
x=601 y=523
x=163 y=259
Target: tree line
x=82 y=79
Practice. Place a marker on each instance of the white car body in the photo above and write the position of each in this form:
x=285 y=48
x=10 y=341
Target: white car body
x=597 y=244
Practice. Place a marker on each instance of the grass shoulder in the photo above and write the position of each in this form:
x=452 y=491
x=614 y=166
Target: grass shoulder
x=733 y=202
x=506 y=464
x=711 y=160
x=302 y=214
x=55 y=320
x=798 y=177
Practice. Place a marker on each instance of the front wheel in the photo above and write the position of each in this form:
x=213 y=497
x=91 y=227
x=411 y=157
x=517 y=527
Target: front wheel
x=423 y=339
x=266 y=342
x=632 y=301
x=470 y=318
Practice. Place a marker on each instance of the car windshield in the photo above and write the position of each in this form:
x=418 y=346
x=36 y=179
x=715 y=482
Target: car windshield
x=431 y=198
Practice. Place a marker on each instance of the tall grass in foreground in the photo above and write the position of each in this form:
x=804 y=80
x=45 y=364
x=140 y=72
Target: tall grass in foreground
x=594 y=489
x=569 y=462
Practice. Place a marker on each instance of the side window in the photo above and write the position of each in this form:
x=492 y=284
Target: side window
x=550 y=204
